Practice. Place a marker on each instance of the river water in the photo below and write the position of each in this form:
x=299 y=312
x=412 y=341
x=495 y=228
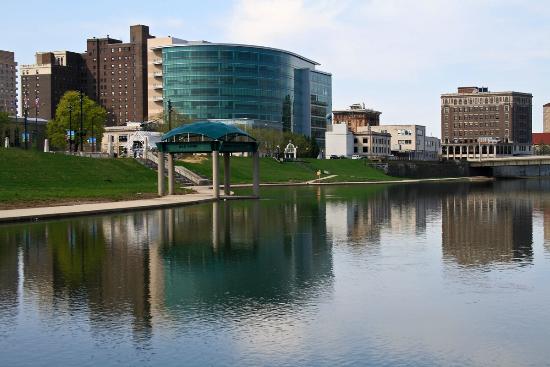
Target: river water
x=380 y=275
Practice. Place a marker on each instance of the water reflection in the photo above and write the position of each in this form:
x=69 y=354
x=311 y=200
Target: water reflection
x=485 y=226
x=268 y=263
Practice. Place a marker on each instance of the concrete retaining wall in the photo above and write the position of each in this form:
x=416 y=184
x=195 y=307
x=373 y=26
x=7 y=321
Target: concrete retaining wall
x=424 y=169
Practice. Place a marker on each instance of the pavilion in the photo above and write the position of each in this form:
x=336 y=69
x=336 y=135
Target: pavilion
x=207 y=137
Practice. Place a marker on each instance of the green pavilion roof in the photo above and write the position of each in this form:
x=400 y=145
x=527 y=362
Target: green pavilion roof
x=212 y=130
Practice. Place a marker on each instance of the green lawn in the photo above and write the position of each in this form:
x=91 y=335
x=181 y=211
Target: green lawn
x=273 y=172
x=27 y=176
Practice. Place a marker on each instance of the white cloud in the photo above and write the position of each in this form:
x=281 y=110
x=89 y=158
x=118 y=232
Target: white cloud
x=396 y=51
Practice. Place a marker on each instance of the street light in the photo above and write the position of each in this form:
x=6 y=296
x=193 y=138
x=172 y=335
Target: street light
x=26 y=116
x=70 y=128
x=169 y=115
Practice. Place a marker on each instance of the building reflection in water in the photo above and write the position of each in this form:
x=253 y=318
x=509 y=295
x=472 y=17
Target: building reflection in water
x=485 y=224
x=130 y=269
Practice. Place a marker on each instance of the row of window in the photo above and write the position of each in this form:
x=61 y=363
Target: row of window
x=484 y=100
x=375 y=150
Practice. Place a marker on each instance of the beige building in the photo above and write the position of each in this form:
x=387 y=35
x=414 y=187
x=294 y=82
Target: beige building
x=410 y=141
x=154 y=75
x=368 y=142
x=546 y=118
x=8 y=89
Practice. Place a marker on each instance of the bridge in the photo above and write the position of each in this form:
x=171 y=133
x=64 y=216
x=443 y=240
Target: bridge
x=526 y=166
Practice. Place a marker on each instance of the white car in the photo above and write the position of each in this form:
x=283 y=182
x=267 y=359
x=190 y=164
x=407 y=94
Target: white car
x=356 y=156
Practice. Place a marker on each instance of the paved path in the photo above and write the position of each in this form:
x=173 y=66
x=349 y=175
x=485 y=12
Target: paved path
x=28 y=214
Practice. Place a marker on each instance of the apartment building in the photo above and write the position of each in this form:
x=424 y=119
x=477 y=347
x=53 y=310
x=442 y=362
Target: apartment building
x=8 y=88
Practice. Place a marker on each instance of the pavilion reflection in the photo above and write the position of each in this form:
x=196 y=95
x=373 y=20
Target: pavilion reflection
x=131 y=269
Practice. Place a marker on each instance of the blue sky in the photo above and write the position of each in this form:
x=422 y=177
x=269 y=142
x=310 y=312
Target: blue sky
x=397 y=56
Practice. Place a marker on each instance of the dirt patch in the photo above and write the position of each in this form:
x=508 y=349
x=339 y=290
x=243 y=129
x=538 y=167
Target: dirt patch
x=193 y=158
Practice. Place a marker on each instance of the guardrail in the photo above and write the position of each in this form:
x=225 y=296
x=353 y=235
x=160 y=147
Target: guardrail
x=187 y=173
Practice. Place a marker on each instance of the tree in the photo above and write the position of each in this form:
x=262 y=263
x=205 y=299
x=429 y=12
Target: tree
x=4 y=118
x=92 y=114
x=269 y=139
x=160 y=122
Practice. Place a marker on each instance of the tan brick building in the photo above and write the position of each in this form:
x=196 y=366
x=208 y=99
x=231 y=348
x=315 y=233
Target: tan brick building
x=475 y=121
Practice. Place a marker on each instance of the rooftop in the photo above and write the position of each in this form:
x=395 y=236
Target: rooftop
x=206 y=43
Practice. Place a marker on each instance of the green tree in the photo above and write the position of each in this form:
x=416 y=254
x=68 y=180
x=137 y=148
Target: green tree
x=4 y=118
x=92 y=114
x=269 y=139
x=160 y=121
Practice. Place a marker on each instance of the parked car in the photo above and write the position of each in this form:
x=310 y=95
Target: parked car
x=356 y=156
x=333 y=156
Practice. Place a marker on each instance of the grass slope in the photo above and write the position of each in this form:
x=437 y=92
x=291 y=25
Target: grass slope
x=35 y=176
x=273 y=172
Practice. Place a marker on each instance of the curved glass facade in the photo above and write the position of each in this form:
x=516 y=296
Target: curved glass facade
x=235 y=82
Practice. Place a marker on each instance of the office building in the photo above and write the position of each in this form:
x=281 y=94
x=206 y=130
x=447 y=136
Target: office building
x=476 y=122
x=410 y=141
x=8 y=89
x=227 y=82
x=356 y=116
x=117 y=75
x=44 y=83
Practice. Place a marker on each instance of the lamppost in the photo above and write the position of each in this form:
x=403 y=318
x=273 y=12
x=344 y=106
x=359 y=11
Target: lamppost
x=93 y=141
x=81 y=123
x=36 y=103
x=169 y=115
x=26 y=113
x=70 y=128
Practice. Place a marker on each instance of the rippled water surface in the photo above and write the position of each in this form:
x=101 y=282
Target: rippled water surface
x=380 y=275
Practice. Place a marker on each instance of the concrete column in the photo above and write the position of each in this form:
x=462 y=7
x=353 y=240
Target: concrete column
x=171 y=174
x=447 y=151
x=256 y=174
x=215 y=225
x=160 y=167
x=171 y=225
x=46 y=146
x=215 y=174
x=226 y=174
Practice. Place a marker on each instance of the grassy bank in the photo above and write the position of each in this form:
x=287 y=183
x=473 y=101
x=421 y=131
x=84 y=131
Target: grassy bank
x=273 y=172
x=35 y=177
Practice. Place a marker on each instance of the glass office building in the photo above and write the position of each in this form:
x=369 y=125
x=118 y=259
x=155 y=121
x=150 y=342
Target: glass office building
x=258 y=86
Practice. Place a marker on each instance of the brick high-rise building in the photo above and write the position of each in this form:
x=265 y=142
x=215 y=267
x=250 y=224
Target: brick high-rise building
x=475 y=121
x=8 y=89
x=117 y=75
x=356 y=116
x=53 y=74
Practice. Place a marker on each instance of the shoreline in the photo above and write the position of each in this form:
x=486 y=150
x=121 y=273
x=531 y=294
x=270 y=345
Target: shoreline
x=202 y=196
